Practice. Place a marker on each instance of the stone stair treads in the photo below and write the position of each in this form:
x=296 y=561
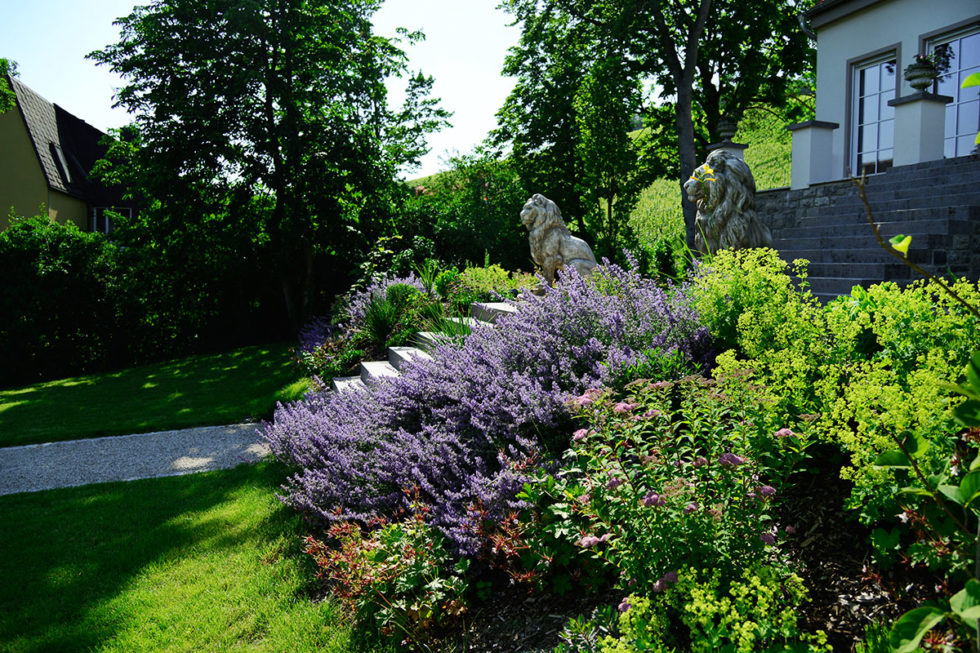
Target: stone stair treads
x=490 y=311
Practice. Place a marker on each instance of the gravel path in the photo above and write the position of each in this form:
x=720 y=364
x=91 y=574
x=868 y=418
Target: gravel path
x=128 y=457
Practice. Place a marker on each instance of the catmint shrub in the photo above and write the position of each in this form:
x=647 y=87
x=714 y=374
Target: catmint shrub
x=465 y=428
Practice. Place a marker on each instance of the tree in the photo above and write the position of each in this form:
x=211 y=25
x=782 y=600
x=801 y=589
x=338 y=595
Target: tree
x=7 y=99
x=710 y=59
x=611 y=178
x=275 y=109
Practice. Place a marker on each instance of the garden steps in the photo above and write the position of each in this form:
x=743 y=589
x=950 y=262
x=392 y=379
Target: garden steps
x=373 y=372
x=937 y=203
x=490 y=311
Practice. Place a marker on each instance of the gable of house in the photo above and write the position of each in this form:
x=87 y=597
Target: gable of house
x=49 y=161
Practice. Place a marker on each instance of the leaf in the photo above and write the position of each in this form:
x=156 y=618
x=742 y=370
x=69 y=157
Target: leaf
x=951 y=492
x=975 y=464
x=972 y=80
x=916 y=444
x=912 y=626
x=968 y=413
x=969 y=488
x=966 y=603
x=901 y=243
x=894 y=458
x=973 y=373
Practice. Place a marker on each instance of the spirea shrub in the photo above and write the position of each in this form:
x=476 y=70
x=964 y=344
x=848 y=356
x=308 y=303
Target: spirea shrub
x=465 y=430
x=672 y=475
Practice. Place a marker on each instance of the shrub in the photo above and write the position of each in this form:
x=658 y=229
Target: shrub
x=60 y=302
x=672 y=475
x=467 y=430
x=710 y=611
x=398 y=581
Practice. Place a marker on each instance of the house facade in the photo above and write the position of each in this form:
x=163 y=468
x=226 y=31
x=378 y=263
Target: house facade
x=868 y=118
x=46 y=157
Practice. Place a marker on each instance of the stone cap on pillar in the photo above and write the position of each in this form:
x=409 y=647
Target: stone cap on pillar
x=735 y=149
x=820 y=124
x=921 y=96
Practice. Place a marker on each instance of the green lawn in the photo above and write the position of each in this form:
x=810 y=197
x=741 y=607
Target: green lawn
x=196 y=391
x=207 y=562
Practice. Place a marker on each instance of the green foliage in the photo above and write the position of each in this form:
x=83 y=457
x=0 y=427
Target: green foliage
x=756 y=611
x=65 y=310
x=446 y=282
x=488 y=284
x=611 y=176
x=277 y=122
x=673 y=475
x=398 y=581
x=469 y=212
x=654 y=364
x=7 y=98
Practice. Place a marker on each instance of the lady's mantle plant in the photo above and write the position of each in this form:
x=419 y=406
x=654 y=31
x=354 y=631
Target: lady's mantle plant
x=465 y=430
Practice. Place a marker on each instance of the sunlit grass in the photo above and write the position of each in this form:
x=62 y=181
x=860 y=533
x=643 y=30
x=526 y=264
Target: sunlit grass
x=208 y=562
x=196 y=391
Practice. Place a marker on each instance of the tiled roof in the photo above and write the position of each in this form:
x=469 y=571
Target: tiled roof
x=67 y=147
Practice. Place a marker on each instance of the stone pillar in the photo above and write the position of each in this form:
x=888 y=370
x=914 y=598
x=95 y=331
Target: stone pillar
x=737 y=150
x=813 y=143
x=920 y=121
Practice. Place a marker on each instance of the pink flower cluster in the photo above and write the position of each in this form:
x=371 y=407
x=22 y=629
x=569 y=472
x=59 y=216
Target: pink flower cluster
x=590 y=541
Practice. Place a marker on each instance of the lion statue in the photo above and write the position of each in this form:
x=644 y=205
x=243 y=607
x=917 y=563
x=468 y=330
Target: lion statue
x=724 y=191
x=553 y=247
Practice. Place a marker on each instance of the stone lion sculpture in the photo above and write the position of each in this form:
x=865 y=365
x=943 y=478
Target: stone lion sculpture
x=553 y=247
x=724 y=191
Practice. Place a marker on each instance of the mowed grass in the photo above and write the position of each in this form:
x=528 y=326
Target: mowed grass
x=195 y=391
x=208 y=562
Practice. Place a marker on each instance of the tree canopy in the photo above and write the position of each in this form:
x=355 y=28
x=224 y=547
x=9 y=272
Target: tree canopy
x=7 y=99
x=272 y=109
x=708 y=60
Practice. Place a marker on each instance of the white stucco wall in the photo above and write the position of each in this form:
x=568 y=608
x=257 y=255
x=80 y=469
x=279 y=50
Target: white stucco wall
x=866 y=32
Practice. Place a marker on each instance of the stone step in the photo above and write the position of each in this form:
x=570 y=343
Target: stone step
x=399 y=356
x=342 y=384
x=427 y=341
x=859 y=217
x=856 y=255
x=888 y=229
x=789 y=246
x=842 y=285
x=490 y=311
x=373 y=372
x=878 y=271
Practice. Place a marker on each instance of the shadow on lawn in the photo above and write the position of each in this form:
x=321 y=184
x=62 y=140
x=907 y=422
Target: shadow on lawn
x=67 y=556
x=195 y=391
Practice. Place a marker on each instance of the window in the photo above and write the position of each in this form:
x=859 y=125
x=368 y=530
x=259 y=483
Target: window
x=872 y=120
x=101 y=221
x=963 y=113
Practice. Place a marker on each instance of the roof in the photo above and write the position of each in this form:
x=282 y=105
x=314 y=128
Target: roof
x=825 y=11
x=67 y=147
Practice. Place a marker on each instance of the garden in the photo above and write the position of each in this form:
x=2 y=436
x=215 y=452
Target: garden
x=673 y=453
x=721 y=462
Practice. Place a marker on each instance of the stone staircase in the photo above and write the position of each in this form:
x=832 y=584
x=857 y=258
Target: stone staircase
x=373 y=372
x=937 y=203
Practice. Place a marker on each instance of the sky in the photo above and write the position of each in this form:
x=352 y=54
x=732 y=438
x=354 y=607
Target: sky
x=466 y=42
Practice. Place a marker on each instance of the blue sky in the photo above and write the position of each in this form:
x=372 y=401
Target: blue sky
x=466 y=42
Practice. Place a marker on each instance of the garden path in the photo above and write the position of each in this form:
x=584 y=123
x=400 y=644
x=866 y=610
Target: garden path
x=35 y=467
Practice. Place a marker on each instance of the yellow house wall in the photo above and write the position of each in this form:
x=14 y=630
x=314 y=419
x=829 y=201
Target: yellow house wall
x=22 y=183
x=65 y=208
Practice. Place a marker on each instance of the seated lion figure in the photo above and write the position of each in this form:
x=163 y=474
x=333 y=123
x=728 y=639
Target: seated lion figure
x=553 y=247
x=724 y=191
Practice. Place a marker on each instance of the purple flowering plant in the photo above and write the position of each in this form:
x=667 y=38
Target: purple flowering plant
x=467 y=429
x=684 y=486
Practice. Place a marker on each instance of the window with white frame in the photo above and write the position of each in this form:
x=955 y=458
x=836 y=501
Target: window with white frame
x=963 y=113
x=872 y=120
x=101 y=222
